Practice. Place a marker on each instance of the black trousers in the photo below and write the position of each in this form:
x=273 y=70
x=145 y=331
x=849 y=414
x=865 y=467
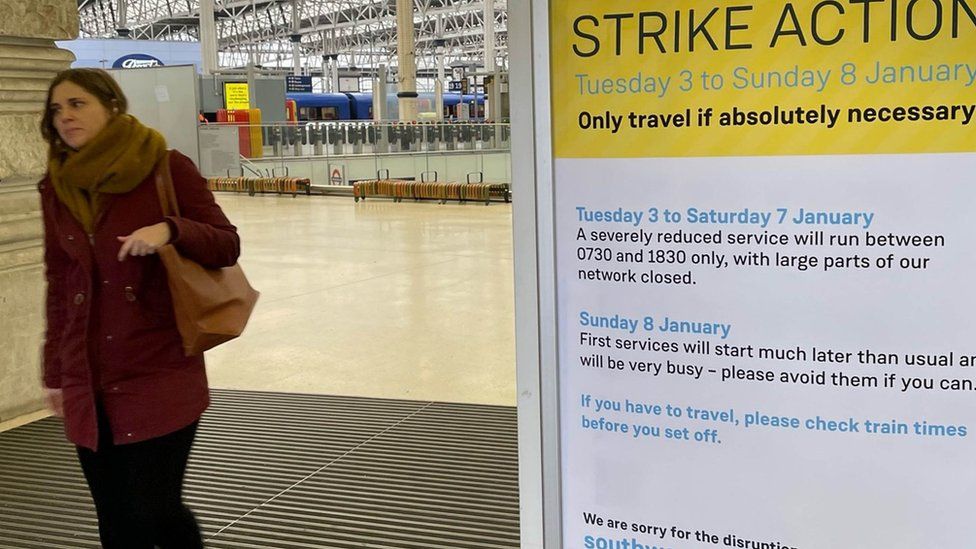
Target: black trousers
x=138 y=491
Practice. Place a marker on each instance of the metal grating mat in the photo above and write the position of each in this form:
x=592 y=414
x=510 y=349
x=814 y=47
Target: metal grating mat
x=287 y=471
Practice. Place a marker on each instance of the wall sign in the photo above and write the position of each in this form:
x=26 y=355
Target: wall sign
x=136 y=61
x=348 y=84
x=236 y=96
x=298 y=84
x=763 y=263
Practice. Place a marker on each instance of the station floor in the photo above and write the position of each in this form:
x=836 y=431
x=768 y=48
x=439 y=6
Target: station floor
x=369 y=403
x=374 y=299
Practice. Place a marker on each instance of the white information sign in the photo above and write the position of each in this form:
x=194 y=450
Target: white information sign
x=763 y=253
x=219 y=151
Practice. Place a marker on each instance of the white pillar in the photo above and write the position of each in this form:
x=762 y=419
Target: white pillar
x=325 y=64
x=489 y=36
x=489 y=23
x=335 y=73
x=334 y=63
x=379 y=94
x=439 y=85
x=493 y=97
x=123 y=27
x=251 y=77
x=296 y=39
x=406 y=58
x=208 y=37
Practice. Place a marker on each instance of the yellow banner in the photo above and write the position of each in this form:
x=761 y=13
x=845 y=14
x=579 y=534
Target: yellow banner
x=236 y=96
x=709 y=78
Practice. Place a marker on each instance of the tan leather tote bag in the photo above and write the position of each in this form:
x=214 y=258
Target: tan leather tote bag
x=211 y=305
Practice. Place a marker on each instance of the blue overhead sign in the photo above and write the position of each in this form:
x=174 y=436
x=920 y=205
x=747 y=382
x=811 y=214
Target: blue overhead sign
x=136 y=61
x=298 y=84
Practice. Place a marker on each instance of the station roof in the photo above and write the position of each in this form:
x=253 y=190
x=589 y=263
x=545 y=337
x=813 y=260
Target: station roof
x=361 y=34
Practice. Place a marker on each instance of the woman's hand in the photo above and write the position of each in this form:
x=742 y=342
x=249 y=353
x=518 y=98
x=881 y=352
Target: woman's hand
x=145 y=241
x=55 y=401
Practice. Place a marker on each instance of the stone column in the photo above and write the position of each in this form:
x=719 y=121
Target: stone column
x=208 y=37
x=296 y=38
x=407 y=61
x=28 y=61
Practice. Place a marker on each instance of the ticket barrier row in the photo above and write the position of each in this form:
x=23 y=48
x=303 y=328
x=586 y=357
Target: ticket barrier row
x=350 y=138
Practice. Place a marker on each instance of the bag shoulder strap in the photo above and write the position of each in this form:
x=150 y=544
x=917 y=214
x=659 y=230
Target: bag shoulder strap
x=165 y=189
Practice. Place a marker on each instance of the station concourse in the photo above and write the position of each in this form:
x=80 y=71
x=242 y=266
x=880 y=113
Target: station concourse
x=371 y=399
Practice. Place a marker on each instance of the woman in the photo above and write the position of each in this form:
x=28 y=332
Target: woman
x=114 y=366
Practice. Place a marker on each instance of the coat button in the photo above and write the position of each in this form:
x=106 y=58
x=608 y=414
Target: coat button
x=79 y=298
x=71 y=237
x=130 y=294
x=108 y=338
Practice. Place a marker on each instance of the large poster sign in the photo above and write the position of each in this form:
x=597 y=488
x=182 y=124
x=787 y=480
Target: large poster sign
x=765 y=256
x=236 y=96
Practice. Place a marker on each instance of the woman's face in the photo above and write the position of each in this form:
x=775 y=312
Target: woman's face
x=78 y=116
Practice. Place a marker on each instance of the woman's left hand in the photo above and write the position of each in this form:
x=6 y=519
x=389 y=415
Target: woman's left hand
x=145 y=241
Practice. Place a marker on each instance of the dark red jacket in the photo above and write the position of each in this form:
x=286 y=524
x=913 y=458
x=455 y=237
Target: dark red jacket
x=111 y=335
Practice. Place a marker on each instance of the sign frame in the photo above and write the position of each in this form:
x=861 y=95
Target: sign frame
x=537 y=341
x=536 y=345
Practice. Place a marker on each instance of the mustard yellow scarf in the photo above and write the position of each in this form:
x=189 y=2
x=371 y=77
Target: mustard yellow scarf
x=114 y=162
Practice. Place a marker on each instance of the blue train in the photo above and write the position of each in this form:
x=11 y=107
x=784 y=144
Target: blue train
x=312 y=107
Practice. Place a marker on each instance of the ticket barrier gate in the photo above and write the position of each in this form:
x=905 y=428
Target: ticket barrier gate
x=288 y=136
x=399 y=138
x=315 y=137
x=371 y=134
x=381 y=140
x=393 y=138
x=357 y=136
x=461 y=133
x=301 y=138
x=282 y=137
x=365 y=138
x=488 y=137
x=450 y=132
x=432 y=137
x=408 y=138
x=275 y=139
x=336 y=137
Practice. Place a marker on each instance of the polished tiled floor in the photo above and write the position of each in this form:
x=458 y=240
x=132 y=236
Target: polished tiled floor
x=376 y=299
